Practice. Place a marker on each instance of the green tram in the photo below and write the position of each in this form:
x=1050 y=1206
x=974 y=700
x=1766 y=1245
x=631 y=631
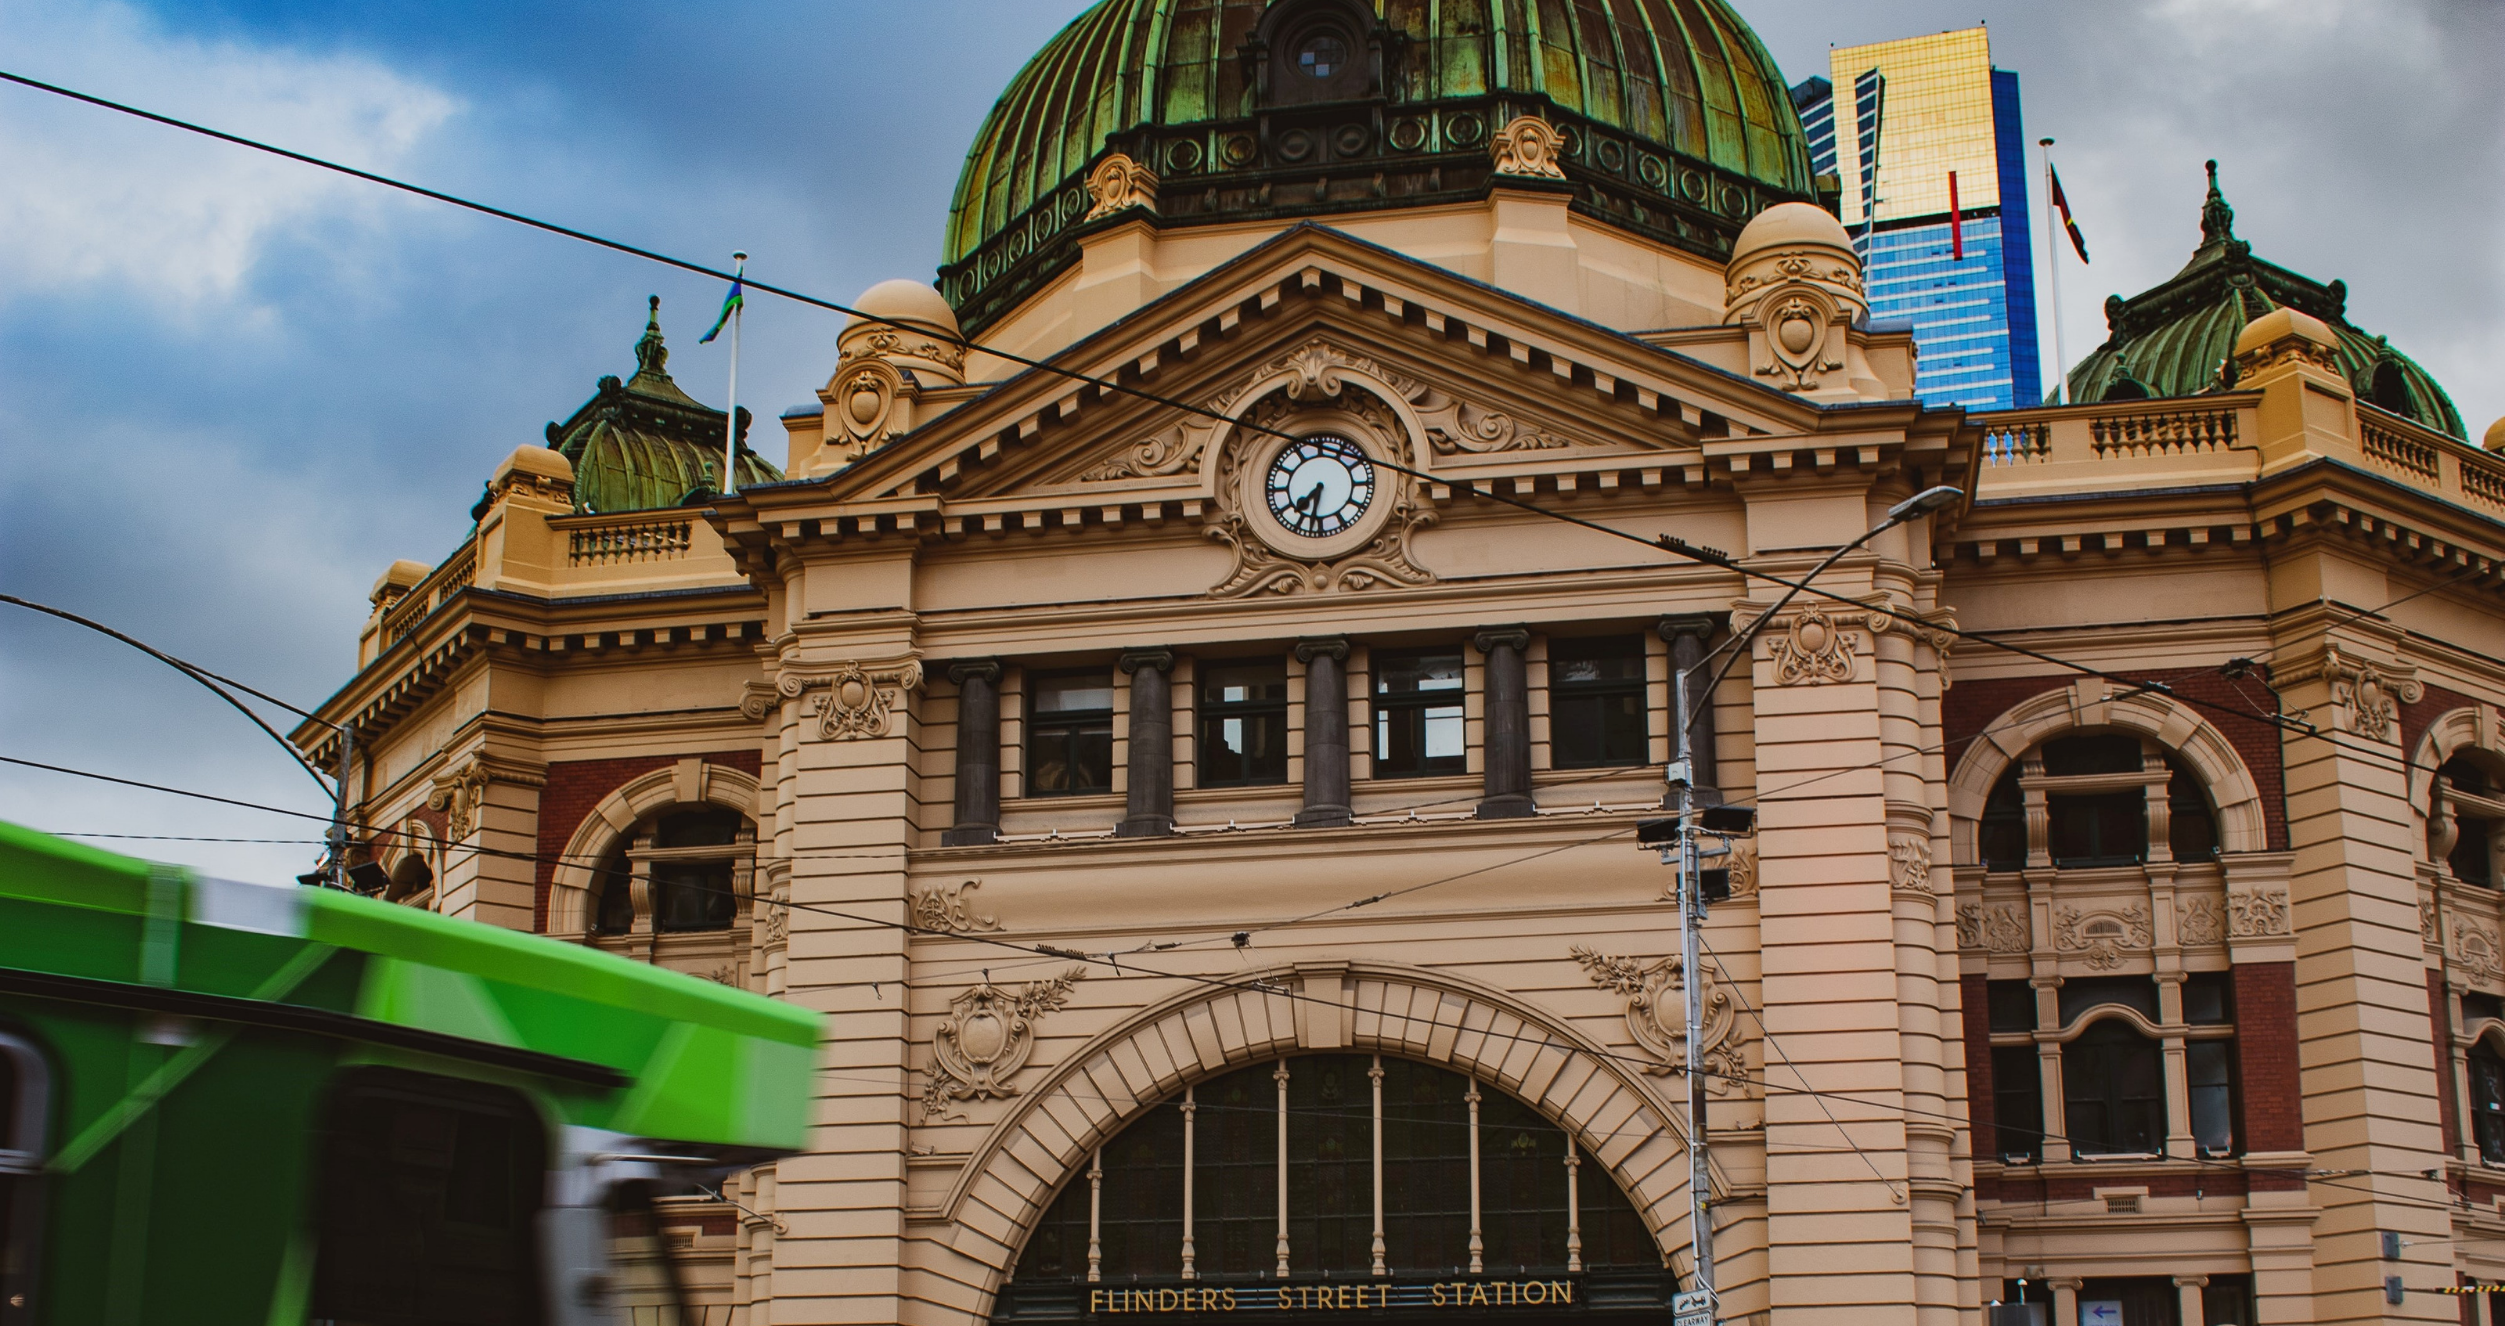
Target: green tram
x=255 y=1104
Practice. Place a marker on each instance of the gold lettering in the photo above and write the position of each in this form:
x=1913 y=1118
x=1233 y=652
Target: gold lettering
x=1435 y=1293
x=1143 y=1300
x=1228 y=1296
x=1168 y=1300
x=1478 y=1296
x=1561 y=1290
x=1535 y=1291
x=1287 y=1298
x=1095 y=1300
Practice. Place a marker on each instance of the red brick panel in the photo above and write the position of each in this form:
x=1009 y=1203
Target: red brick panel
x=2417 y=718
x=2265 y=1048
x=576 y=786
x=2027 y=1184
x=1978 y=1015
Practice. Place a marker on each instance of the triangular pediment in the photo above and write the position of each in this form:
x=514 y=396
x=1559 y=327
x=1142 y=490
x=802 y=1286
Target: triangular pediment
x=1481 y=385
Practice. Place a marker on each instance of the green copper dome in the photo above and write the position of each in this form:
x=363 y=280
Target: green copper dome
x=2178 y=339
x=642 y=444
x=1676 y=119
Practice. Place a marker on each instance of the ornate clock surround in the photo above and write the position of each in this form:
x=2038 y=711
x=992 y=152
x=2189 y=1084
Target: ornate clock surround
x=1252 y=476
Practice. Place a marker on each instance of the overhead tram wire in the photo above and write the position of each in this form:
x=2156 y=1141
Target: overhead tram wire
x=1668 y=543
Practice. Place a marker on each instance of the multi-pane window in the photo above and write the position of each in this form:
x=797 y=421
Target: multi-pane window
x=1417 y=714
x=695 y=860
x=1069 y=733
x=1596 y=702
x=2112 y=1073
x=2099 y=793
x=1243 y=723
x=2487 y=1101
x=2462 y=829
x=1536 y=1202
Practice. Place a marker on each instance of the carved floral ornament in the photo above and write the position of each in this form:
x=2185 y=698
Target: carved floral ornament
x=1799 y=293
x=2102 y=937
x=1528 y=145
x=2370 y=695
x=948 y=909
x=986 y=1038
x=1813 y=649
x=2200 y=921
x=853 y=701
x=2257 y=913
x=1909 y=862
x=1999 y=927
x=2475 y=948
x=1656 y=1015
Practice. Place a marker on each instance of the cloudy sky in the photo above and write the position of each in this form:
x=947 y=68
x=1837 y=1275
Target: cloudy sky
x=232 y=390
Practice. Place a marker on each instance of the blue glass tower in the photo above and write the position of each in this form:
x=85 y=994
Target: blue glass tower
x=1919 y=112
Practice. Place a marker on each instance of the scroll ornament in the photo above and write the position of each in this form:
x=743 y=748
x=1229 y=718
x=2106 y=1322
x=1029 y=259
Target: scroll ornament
x=948 y=909
x=2475 y=947
x=1813 y=650
x=2252 y=913
x=2370 y=700
x=461 y=790
x=1119 y=183
x=1909 y=863
x=1998 y=927
x=987 y=1037
x=856 y=701
x=1528 y=145
x=1656 y=1015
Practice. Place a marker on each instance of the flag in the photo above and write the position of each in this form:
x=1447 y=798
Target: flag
x=731 y=303
x=2062 y=203
x=1956 y=223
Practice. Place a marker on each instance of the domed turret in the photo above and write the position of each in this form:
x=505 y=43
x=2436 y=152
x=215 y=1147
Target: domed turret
x=1674 y=122
x=2180 y=338
x=643 y=444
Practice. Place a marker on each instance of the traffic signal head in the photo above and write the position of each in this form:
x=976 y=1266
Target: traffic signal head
x=1728 y=820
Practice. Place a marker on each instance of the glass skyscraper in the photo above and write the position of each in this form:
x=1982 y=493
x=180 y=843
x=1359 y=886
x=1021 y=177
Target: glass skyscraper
x=1928 y=120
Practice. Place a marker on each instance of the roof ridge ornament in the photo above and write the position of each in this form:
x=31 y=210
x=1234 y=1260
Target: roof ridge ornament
x=2217 y=219
x=650 y=352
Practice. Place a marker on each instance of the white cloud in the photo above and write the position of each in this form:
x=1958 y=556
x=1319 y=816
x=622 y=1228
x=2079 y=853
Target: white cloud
x=96 y=197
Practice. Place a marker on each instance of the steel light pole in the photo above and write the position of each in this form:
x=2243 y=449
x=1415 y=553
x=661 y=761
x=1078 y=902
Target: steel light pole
x=1679 y=837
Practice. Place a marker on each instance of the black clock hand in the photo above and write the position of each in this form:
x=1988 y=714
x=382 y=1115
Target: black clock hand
x=1311 y=502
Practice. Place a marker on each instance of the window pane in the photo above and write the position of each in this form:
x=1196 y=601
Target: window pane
x=2209 y=997
x=2112 y=1091
x=2012 y=1005
x=2487 y=1102
x=1411 y=674
x=1596 y=661
x=1141 y=1225
x=2017 y=1101
x=713 y=826
x=1426 y=1169
x=2209 y=1067
x=1072 y=758
x=2092 y=754
x=614 y=910
x=1079 y=693
x=2192 y=828
x=1330 y=1164
x=1596 y=703
x=2109 y=829
x=1522 y=1186
x=2001 y=835
x=2081 y=993
x=692 y=895
x=1235 y=1180
x=1243 y=724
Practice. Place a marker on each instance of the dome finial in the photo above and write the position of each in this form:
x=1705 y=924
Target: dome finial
x=2217 y=219
x=650 y=353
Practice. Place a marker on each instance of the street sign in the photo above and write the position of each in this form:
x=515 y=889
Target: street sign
x=2100 y=1312
x=1693 y=1307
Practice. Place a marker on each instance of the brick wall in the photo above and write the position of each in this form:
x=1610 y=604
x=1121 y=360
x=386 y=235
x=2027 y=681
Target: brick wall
x=1971 y=706
x=2434 y=704
x=2026 y=1184
x=2440 y=1024
x=576 y=786
x=1978 y=1015
x=2266 y=1066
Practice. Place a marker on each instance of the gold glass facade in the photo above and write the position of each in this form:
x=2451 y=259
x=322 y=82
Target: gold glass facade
x=1938 y=118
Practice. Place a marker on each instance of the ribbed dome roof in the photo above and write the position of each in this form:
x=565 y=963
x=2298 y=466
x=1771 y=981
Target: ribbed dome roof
x=1676 y=118
x=2178 y=338
x=643 y=444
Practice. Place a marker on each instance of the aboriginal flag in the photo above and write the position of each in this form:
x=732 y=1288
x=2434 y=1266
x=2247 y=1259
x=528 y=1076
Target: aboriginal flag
x=2061 y=202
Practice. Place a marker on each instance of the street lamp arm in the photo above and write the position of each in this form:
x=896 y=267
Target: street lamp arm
x=196 y=673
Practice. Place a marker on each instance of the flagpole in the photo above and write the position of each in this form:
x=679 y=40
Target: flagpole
x=2052 y=273
x=730 y=424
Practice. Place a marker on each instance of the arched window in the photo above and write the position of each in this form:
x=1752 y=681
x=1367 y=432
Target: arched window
x=411 y=879
x=1189 y=1192
x=2113 y=1095
x=2101 y=795
x=2487 y=1100
x=682 y=870
x=2465 y=818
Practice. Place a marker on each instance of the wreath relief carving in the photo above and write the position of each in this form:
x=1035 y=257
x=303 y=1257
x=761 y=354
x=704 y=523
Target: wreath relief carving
x=1656 y=1015
x=987 y=1037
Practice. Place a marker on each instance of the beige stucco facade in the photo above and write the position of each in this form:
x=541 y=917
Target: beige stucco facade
x=802 y=654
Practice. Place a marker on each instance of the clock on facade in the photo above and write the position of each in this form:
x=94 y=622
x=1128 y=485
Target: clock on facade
x=1319 y=486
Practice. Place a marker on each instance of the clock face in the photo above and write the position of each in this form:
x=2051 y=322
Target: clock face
x=1320 y=485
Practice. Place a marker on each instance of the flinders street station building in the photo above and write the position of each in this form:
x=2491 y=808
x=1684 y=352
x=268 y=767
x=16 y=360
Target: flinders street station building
x=1185 y=701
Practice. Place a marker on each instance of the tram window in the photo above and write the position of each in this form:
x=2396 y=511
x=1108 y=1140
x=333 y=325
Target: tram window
x=25 y=1106
x=428 y=1192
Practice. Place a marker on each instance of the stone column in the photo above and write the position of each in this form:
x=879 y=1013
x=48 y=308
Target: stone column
x=1508 y=752
x=1326 y=731
x=2065 y=1301
x=1149 y=812
x=1688 y=636
x=978 y=753
x=2188 y=1292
